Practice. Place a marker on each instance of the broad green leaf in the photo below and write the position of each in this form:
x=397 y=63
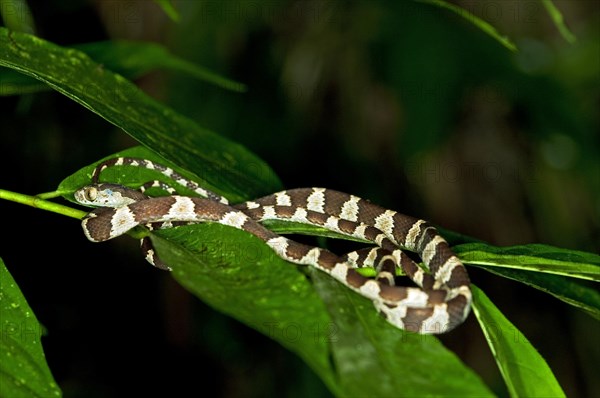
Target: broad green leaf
x=23 y=368
x=525 y=372
x=480 y=23
x=372 y=358
x=127 y=58
x=571 y=291
x=131 y=176
x=533 y=257
x=226 y=166
x=240 y=276
x=549 y=269
x=558 y=20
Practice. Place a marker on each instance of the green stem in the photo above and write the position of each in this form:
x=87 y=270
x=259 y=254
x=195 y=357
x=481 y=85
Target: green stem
x=40 y=203
x=50 y=195
x=559 y=22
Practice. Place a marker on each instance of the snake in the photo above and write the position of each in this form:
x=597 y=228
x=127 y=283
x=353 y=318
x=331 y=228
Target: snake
x=439 y=303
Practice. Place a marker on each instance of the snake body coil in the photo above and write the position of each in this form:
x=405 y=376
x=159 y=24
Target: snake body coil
x=440 y=303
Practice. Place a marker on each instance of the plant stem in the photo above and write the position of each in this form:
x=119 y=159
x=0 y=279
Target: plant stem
x=40 y=203
x=50 y=195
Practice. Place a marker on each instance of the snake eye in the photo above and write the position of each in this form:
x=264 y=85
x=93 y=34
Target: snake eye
x=91 y=194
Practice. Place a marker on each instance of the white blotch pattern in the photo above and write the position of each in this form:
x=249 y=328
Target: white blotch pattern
x=359 y=232
x=438 y=322
x=316 y=200
x=466 y=291
x=418 y=278
x=370 y=290
x=279 y=245
x=201 y=191
x=385 y=223
x=123 y=220
x=164 y=225
x=312 y=257
x=397 y=254
x=332 y=223
x=252 y=205
x=424 y=235
x=183 y=182
x=352 y=259
x=283 y=199
x=430 y=249
x=235 y=219
x=416 y=298
x=411 y=237
x=393 y=315
x=379 y=238
x=445 y=271
x=371 y=257
x=349 y=210
x=300 y=215
x=183 y=209
x=168 y=172
x=339 y=272
x=269 y=213
x=150 y=256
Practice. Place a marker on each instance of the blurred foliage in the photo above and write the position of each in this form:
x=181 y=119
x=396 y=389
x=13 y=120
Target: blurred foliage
x=405 y=103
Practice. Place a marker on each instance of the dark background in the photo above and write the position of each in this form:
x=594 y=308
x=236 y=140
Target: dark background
x=404 y=103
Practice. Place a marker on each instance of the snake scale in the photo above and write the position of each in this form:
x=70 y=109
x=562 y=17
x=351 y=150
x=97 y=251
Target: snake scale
x=441 y=301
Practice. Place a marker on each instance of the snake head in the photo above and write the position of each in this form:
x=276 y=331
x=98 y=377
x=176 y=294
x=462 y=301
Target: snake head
x=107 y=195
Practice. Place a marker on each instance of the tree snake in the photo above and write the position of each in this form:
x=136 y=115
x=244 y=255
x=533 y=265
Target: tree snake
x=440 y=303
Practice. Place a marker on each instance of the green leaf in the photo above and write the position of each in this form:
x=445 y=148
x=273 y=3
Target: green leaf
x=133 y=176
x=218 y=161
x=127 y=58
x=372 y=358
x=480 y=23
x=558 y=20
x=533 y=257
x=23 y=368
x=239 y=275
x=573 y=292
x=525 y=372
